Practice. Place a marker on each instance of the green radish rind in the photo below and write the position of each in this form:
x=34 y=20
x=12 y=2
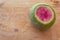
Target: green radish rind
x=37 y=22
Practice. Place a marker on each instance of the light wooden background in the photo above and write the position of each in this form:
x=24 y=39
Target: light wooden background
x=15 y=23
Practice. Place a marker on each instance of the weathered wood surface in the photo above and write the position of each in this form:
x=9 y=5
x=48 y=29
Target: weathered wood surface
x=15 y=23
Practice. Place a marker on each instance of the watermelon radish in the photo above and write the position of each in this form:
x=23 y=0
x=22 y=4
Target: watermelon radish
x=43 y=15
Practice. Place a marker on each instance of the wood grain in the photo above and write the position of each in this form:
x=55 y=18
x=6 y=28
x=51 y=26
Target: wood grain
x=15 y=23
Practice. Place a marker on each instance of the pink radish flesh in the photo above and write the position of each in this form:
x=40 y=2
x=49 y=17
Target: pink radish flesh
x=44 y=13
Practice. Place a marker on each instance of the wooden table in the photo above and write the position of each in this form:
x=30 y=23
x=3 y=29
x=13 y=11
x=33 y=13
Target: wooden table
x=15 y=23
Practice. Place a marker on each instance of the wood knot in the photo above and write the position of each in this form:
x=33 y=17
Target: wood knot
x=16 y=30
